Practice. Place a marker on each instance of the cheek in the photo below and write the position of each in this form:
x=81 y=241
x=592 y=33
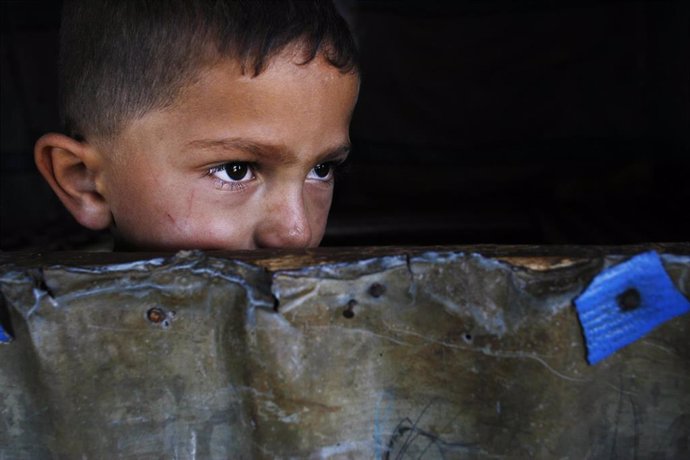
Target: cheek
x=159 y=214
x=318 y=203
x=178 y=225
x=131 y=205
x=199 y=219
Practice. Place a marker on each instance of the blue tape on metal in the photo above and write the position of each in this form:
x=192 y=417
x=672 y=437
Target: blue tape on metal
x=4 y=336
x=625 y=302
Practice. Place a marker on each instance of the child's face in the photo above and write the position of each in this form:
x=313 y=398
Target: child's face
x=236 y=162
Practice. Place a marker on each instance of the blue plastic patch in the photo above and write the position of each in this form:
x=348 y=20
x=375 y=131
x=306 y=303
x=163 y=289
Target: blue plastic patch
x=4 y=336
x=625 y=302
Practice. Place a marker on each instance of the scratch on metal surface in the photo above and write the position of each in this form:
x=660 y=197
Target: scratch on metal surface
x=342 y=448
x=347 y=270
x=271 y=407
x=353 y=330
x=384 y=400
x=294 y=304
x=525 y=355
x=490 y=318
x=139 y=265
x=649 y=343
x=118 y=329
x=682 y=264
x=620 y=390
x=497 y=354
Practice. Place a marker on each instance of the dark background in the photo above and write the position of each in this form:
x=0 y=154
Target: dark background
x=478 y=122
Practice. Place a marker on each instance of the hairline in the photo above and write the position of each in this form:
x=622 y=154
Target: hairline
x=212 y=60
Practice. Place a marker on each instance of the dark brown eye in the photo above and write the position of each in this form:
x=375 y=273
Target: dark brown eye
x=233 y=175
x=236 y=171
x=322 y=170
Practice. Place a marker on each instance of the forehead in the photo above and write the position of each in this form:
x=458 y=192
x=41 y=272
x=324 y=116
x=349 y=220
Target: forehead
x=285 y=84
x=302 y=105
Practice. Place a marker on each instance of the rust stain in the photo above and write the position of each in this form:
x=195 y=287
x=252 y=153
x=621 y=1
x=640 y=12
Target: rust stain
x=540 y=264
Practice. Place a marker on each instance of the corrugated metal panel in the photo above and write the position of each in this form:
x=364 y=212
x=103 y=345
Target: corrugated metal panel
x=410 y=355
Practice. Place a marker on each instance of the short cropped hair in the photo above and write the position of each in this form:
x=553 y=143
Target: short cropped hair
x=120 y=59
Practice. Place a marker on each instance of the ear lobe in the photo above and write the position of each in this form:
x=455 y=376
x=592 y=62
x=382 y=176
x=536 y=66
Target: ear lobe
x=71 y=168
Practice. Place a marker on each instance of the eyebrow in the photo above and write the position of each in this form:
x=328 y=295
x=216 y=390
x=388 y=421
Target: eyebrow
x=267 y=152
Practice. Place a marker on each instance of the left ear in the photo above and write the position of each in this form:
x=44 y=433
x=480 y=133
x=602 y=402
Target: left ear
x=71 y=169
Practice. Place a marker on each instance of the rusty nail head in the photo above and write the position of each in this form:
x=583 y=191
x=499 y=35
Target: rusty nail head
x=155 y=315
x=377 y=290
x=348 y=312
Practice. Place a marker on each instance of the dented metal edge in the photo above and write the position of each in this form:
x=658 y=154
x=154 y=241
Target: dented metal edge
x=584 y=270
x=17 y=284
x=346 y=270
x=261 y=290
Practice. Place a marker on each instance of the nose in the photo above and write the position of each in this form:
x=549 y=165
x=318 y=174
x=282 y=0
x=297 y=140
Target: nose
x=285 y=222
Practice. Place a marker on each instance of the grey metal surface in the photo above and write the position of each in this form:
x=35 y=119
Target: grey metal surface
x=437 y=355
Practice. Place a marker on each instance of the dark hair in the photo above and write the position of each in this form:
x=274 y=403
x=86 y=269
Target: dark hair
x=120 y=59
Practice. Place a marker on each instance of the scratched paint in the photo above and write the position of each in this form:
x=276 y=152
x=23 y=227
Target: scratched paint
x=453 y=355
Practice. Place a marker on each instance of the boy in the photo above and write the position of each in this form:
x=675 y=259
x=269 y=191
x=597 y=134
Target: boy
x=202 y=124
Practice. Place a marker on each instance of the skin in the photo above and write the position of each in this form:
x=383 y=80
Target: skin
x=163 y=178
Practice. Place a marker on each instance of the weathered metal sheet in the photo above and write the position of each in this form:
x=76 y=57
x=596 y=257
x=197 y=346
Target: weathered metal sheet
x=429 y=355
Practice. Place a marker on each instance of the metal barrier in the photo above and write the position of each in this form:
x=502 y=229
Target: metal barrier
x=395 y=353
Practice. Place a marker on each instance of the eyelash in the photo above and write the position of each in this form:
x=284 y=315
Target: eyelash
x=234 y=185
x=238 y=185
x=333 y=166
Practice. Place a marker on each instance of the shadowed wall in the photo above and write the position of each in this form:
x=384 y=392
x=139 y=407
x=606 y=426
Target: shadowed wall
x=495 y=121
